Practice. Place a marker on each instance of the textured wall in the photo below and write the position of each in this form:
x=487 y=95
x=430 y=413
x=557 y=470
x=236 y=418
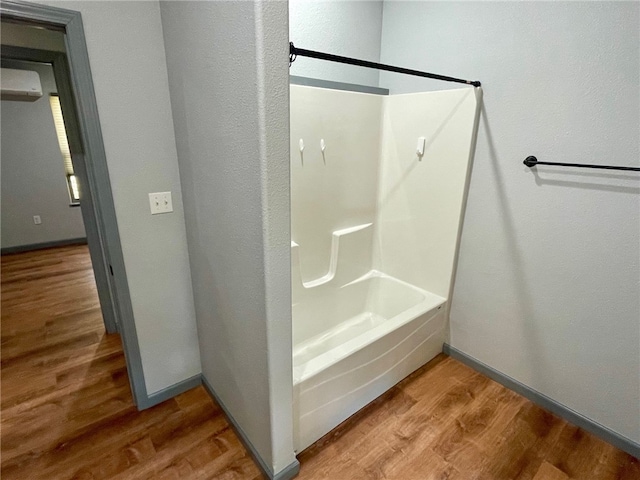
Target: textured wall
x=273 y=101
x=348 y=28
x=129 y=72
x=548 y=278
x=230 y=109
x=33 y=176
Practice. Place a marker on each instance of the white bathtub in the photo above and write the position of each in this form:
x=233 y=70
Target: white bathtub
x=354 y=342
x=368 y=204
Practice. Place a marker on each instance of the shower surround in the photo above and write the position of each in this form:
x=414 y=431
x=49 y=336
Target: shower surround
x=378 y=188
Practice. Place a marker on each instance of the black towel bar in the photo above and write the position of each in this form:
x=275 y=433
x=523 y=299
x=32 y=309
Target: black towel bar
x=532 y=161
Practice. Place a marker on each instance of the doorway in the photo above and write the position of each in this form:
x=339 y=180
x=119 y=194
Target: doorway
x=41 y=205
x=89 y=178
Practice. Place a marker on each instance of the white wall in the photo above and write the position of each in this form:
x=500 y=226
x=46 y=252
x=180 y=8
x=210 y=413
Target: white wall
x=33 y=176
x=127 y=57
x=548 y=278
x=347 y=28
x=228 y=75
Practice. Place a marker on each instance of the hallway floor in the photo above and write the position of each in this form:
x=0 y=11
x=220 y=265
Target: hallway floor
x=67 y=411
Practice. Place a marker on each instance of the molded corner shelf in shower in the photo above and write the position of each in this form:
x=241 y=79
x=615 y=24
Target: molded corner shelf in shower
x=350 y=256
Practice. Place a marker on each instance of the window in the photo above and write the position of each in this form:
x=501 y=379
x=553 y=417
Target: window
x=58 y=120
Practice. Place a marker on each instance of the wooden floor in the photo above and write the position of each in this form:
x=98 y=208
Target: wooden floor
x=447 y=421
x=67 y=411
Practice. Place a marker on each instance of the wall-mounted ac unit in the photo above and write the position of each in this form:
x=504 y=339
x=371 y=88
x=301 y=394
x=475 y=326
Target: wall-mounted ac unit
x=22 y=85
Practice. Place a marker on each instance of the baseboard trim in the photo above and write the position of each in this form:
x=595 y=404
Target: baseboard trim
x=43 y=245
x=615 y=439
x=170 y=392
x=287 y=473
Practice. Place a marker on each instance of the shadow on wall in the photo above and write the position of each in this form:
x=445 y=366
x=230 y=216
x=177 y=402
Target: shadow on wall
x=550 y=176
x=555 y=179
x=524 y=301
x=432 y=139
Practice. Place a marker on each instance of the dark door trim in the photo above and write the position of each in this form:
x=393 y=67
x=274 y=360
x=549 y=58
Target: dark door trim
x=100 y=262
x=73 y=76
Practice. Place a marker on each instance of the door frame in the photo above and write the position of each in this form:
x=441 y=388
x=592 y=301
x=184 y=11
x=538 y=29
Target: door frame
x=99 y=261
x=78 y=102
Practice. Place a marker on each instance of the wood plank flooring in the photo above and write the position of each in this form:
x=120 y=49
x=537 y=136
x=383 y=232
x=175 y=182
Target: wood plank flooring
x=67 y=411
x=447 y=421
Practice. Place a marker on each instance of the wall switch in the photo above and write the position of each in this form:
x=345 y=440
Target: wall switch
x=37 y=220
x=160 y=202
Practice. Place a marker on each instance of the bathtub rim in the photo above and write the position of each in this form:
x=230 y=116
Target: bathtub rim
x=429 y=306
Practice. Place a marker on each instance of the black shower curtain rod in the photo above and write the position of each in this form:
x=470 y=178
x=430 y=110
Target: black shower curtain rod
x=301 y=52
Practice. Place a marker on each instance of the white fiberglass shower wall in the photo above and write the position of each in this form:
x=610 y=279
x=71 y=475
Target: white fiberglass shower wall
x=378 y=186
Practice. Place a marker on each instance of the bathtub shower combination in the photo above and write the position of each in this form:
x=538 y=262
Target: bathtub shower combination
x=378 y=187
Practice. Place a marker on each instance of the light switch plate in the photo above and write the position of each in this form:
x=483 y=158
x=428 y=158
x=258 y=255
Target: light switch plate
x=160 y=202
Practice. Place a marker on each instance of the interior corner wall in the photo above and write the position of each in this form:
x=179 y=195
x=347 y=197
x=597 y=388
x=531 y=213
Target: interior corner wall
x=548 y=274
x=228 y=76
x=350 y=28
x=33 y=177
x=128 y=66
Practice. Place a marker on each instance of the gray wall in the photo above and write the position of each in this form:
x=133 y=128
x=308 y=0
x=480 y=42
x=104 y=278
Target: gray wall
x=228 y=76
x=126 y=52
x=33 y=176
x=548 y=277
x=347 y=28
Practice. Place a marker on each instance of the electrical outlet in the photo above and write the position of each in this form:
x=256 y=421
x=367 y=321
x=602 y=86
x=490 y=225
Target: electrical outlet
x=160 y=202
x=37 y=220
